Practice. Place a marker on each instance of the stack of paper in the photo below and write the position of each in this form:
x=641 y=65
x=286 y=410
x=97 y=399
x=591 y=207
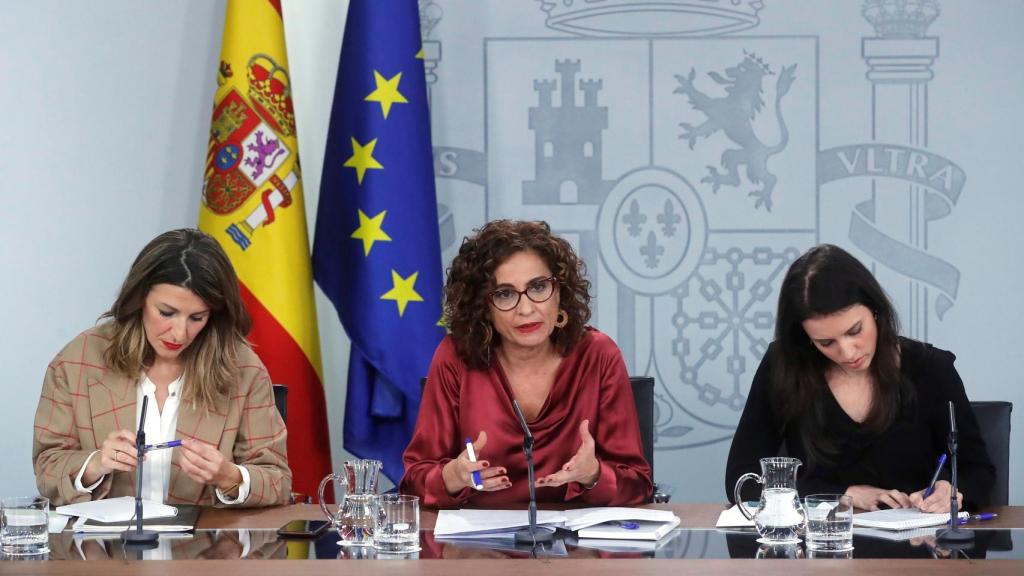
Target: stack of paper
x=116 y=509
x=901 y=519
x=491 y=523
x=112 y=515
x=621 y=523
x=618 y=523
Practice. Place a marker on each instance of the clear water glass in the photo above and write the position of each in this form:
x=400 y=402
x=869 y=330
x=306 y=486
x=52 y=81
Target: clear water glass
x=398 y=524
x=24 y=525
x=829 y=522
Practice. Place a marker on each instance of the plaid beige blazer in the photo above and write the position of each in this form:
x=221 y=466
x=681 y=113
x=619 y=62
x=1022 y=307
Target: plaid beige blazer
x=83 y=401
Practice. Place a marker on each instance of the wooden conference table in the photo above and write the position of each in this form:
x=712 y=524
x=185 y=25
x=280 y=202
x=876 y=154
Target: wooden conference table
x=696 y=548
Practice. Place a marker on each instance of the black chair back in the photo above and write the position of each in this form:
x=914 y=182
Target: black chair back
x=643 y=397
x=281 y=400
x=994 y=422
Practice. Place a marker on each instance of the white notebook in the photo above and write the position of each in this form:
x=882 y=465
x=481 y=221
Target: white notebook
x=629 y=530
x=901 y=519
x=116 y=509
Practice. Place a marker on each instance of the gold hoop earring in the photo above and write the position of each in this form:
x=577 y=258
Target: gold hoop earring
x=562 y=320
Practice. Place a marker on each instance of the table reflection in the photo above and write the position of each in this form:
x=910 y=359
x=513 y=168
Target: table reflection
x=209 y=544
x=679 y=544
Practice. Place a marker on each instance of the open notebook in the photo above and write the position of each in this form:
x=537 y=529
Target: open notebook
x=901 y=519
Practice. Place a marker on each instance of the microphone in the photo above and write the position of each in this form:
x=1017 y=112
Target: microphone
x=529 y=535
x=954 y=536
x=140 y=538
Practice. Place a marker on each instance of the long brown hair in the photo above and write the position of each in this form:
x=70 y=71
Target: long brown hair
x=825 y=280
x=471 y=279
x=194 y=260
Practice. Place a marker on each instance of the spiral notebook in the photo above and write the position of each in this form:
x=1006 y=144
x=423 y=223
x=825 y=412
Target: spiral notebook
x=901 y=519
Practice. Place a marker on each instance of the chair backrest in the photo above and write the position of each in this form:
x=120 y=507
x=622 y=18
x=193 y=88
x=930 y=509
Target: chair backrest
x=281 y=400
x=994 y=422
x=643 y=396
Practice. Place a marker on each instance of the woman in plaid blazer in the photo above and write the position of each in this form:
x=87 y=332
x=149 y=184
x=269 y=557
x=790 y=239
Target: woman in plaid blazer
x=175 y=334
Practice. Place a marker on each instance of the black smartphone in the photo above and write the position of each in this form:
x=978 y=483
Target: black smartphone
x=303 y=528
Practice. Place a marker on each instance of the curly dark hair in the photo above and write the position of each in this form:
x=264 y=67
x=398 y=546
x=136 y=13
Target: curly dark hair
x=471 y=279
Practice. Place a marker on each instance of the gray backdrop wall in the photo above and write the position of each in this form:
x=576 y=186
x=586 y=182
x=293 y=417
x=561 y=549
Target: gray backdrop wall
x=690 y=149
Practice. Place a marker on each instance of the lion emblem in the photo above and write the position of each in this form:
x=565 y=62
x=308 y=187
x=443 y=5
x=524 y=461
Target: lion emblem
x=733 y=114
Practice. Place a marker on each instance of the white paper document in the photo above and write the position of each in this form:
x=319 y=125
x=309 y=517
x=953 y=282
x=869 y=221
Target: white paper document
x=469 y=523
x=901 y=519
x=629 y=530
x=733 y=518
x=584 y=517
x=116 y=509
x=604 y=522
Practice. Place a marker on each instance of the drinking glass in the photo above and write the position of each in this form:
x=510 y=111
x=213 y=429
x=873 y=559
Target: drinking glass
x=398 y=524
x=829 y=522
x=24 y=525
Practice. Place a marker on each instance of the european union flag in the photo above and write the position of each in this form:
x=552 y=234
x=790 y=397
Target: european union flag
x=377 y=251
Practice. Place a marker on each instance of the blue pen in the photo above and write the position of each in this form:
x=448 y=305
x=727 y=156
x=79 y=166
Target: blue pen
x=477 y=482
x=935 y=477
x=979 y=517
x=162 y=445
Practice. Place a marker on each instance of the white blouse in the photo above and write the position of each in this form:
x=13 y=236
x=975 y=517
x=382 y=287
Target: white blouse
x=161 y=427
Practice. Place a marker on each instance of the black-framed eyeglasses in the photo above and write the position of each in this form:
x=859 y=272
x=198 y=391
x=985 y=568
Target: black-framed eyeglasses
x=539 y=290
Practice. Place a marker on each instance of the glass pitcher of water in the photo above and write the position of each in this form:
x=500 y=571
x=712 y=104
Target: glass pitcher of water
x=780 y=517
x=356 y=515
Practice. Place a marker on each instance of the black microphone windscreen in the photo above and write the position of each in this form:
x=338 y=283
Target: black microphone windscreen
x=142 y=417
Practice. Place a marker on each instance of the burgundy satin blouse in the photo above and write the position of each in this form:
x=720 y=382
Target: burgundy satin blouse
x=591 y=383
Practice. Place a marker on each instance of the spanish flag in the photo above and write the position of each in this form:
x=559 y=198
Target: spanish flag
x=252 y=203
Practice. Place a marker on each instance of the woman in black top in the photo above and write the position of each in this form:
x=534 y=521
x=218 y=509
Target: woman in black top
x=864 y=409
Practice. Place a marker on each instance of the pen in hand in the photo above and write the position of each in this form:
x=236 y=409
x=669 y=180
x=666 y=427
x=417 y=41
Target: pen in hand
x=935 y=477
x=471 y=454
x=162 y=445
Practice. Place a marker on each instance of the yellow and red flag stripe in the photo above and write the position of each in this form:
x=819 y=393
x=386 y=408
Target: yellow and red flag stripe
x=253 y=204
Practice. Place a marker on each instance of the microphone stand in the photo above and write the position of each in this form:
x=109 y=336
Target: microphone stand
x=140 y=539
x=530 y=535
x=954 y=538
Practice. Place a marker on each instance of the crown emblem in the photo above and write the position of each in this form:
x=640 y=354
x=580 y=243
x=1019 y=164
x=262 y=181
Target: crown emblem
x=900 y=18
x=755 y=60
x=271 y=93
x=672 y=18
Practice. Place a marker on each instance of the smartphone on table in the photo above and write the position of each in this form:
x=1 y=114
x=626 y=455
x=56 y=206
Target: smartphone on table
x=303 y=529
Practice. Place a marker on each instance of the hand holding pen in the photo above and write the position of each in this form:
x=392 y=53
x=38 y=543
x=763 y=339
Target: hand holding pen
x=935 y=477
x=935 y=498
x=466 y=471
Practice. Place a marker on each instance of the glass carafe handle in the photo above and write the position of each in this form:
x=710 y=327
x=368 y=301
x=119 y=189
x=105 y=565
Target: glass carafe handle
x=736 y=493
x=320 y=496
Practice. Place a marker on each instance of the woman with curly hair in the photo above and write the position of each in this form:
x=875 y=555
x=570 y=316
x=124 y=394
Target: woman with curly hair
x=517 y=306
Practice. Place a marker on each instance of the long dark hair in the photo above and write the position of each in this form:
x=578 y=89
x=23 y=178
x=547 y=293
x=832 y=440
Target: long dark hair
x=471 y=278
x=826 y=280
x=194 y=260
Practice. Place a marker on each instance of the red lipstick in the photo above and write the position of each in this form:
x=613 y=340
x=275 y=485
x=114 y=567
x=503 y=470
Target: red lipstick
x=171 y=345
x=527 y=328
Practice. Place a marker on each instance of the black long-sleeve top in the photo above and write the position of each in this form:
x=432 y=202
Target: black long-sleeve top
x=901 y=457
